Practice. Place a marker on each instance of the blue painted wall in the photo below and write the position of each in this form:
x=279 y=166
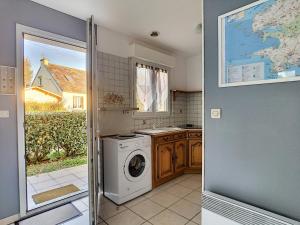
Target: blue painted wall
x=34 y=15
x=253 y=153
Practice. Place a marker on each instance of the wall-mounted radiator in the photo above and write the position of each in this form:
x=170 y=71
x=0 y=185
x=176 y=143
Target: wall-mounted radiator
x=219 y=210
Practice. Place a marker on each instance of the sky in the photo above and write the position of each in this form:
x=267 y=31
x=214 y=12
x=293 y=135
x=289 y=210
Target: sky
x=35 y=51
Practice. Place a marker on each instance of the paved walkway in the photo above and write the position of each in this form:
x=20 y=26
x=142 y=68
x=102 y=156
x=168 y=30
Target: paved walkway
x=47 y=181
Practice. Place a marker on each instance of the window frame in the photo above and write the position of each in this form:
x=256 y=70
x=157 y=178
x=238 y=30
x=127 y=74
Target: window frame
x=153 y=114
x=79 y=99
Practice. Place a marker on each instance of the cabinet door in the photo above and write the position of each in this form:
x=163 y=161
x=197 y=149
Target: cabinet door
x=180 y=155
x=165 y=166
x=195 y=153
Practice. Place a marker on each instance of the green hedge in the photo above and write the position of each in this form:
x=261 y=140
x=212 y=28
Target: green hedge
x=46 y=132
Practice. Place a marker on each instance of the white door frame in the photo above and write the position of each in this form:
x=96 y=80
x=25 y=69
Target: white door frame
x=92 y=120
x=20 y=31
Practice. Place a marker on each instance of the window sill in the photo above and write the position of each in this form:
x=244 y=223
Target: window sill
x=136 y=115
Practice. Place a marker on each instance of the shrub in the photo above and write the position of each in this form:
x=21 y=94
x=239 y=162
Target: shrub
x=46 y=132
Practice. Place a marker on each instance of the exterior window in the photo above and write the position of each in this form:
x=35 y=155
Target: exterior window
x=40 y=81
x=151 y=90
x=77 y=102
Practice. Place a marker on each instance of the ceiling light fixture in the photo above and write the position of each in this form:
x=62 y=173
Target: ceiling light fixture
x=154 y=34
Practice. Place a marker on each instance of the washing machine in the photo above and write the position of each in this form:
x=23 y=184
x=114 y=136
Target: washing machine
x=127 y=167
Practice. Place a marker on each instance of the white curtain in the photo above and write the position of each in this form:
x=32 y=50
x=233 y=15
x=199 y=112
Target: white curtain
x=145 y=88
x=161 y=90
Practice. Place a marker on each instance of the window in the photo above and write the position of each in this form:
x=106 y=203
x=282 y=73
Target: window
x=40 y=81
x=77 y=102
x=151 y=90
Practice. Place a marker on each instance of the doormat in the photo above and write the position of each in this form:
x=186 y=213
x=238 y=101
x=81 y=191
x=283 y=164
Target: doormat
x=52 y=217
x=54 y=193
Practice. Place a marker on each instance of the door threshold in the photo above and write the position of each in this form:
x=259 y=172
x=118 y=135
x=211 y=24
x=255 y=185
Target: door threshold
x=52 y=217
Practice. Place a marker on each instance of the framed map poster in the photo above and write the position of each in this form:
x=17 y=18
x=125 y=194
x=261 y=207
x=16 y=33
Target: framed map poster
x=260 y=43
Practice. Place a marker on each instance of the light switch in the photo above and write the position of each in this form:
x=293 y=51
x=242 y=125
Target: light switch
x=4 y=114
x=215 y=113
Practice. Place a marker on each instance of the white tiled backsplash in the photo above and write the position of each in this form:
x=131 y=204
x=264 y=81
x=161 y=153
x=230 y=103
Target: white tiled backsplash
x=194 y=108
x=114 y=80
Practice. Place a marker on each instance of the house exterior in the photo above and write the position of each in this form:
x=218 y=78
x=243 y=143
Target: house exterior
x=65 y=82
x=39 y=95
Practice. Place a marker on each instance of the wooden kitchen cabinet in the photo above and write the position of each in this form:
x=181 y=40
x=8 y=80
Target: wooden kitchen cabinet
x=195 y=153
x=180 y=156
x=165 y=167
x=169 y=158
x=174 y=154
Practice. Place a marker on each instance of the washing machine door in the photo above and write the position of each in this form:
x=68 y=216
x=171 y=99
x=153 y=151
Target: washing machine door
x=136 y=166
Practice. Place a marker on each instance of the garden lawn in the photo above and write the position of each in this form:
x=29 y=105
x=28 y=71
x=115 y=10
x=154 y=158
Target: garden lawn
x=56 y=165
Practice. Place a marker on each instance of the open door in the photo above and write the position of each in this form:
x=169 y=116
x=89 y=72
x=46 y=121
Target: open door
x=92 y=121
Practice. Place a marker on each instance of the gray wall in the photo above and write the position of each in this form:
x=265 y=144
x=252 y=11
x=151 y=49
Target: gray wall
x=30 y=14
x=253 y=152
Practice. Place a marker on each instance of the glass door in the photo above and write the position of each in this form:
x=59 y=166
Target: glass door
x=55 y=121
x=54 y=129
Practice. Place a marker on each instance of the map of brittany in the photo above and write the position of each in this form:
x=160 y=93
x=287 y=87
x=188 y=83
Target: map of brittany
x=263 y=42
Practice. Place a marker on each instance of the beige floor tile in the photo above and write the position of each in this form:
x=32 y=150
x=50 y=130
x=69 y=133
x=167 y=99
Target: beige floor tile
x=194 y=197
x=191 y=223
x=152 y=193
x=109 y=209
x=147 y=209
x=164 y=199
x=146 y=223
x=192 y=184
x=196 y=177
x=104 y=200
x=179 y=191
x=166 y=186
x=197 y=218
x=168 y=218
x=186 y=209
x=135 y=201
x=125 y=218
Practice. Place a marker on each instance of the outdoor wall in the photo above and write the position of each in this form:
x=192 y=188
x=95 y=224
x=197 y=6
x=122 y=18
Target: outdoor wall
x=30 y=14
x=252 y=153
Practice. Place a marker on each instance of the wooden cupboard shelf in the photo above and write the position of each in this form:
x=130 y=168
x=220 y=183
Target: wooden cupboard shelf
x=124 y=109
x=173 y=92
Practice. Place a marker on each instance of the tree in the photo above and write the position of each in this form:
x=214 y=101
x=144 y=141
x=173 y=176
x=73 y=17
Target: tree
x=28 y=72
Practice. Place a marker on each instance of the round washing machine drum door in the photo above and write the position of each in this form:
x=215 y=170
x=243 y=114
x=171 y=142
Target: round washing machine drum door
x=136 y=166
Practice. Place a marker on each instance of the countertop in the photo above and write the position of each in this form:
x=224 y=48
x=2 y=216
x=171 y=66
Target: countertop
x=167 y=132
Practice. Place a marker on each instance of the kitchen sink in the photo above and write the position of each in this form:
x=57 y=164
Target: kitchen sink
x=159 y=130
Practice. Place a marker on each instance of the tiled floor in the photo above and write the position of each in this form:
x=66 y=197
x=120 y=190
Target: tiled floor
x=48 y=181
x=175 y=203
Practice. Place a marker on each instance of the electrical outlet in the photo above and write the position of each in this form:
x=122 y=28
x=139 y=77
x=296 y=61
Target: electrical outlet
x=215 y=113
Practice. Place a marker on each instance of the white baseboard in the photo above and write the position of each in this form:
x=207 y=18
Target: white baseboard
x=10 y=220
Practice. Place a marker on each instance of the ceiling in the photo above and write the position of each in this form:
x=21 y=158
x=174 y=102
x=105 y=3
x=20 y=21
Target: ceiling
x=175 y=20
